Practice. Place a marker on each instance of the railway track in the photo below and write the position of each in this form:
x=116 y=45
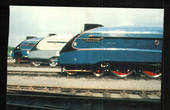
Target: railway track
x=25 y=64
x=30 y=70
x=122 y=94
x=33 y=73
x=28 y=65
x=54 y=78
x=58 y=70
x=56 y=94
x=79 y=75
x=57 y=98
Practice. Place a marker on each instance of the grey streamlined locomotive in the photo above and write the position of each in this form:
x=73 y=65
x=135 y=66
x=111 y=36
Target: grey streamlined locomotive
x=47 y=50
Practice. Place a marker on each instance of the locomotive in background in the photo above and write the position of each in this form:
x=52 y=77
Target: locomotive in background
x=21 y=51
x=47 y=50
x=119 y=50
x=40 y=50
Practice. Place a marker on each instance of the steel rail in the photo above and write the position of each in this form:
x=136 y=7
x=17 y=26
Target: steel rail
x=56 y=71
x=33 y=73
x=27 y=64
x=22 y=71
x=61 y=74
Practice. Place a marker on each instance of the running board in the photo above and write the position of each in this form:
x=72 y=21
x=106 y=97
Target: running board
x=77 y=70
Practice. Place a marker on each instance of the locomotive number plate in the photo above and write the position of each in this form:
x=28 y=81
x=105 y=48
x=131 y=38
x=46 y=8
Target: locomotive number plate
x=92 y=39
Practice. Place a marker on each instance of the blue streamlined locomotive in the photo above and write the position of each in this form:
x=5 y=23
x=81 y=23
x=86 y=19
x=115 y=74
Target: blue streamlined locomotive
x=119 y=50
x=20 y=53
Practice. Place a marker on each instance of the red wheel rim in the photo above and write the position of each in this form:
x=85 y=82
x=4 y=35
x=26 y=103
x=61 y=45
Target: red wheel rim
x=152 y=74
x=98 y=73
x=18 y=60
x=121 y=74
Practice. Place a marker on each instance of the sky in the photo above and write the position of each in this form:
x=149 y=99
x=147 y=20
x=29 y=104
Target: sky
x=41 y=20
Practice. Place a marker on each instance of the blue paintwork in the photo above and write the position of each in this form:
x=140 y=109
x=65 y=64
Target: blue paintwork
x=117 y=43
x=132 y=44
x=137 y=32
x=93 y=57
x=24 y=48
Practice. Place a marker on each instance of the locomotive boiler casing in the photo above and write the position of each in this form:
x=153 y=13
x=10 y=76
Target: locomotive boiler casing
x=137 y=46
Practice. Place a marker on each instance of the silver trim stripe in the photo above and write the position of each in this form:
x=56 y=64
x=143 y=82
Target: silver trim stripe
x=122 y=49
